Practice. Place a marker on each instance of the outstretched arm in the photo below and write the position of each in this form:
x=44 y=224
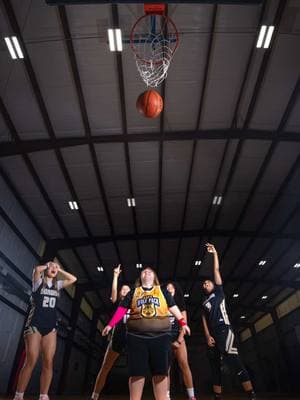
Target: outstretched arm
x=114 y=287
x=217 y=276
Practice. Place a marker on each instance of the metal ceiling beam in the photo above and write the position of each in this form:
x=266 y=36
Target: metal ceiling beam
x=195 y=142
x=45 y=116
x=88 y=134
x=200 y=251
x=248 y=117
x=76 y=2
x=35 y=145
x=46 y=119
x=272 y=283
x=38 y=183
x=85 y=241
x=115 y=17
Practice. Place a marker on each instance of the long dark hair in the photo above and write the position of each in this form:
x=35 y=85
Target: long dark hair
x=178 y=296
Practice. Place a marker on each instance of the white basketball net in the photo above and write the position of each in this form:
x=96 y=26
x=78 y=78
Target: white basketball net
x=154 y=40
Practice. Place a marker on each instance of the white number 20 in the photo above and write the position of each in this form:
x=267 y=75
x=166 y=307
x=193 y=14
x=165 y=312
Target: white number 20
x=49 y=302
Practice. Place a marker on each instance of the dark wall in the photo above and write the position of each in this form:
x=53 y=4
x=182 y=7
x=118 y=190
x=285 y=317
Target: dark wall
x=274 y=355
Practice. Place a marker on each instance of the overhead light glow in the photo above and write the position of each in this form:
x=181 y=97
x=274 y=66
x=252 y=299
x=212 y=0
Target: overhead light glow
x=115 y=39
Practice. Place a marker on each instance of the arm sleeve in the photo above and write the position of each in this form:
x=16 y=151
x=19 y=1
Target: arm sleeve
x=36 y=284
x=118 y=315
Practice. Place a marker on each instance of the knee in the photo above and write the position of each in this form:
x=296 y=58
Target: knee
x=48 y=363
x=159 y=378
x=30 y=361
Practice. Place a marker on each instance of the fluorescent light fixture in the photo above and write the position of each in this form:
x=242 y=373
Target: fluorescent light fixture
x=261 y=36
x=139 y=266
x=297 y=265
x=242 y=316
x=17 y=47
x=269 y=37
x=115 y=39
x=186 y=295
x=131 y=202
x=100 y=269
x=14 y=47
x=217 y=200
x=264 y=297
x=111 y=40
x=265 y=36
x=198 y=262
x=10 y=48
x=262 y=262
x=73 y=205
x=236 y=295
x=118 y=34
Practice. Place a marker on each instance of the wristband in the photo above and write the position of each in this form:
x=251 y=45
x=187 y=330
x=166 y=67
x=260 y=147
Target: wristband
x=182 y=322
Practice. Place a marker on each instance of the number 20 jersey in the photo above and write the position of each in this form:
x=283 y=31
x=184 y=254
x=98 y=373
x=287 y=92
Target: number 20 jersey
x=43 y=307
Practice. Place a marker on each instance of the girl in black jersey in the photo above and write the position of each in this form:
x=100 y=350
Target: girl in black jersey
x=41 y=325
x=117 y=343
x=178 y=343
x=219 y=334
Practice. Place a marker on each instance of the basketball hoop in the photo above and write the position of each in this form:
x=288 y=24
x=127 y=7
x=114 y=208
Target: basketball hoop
x=154 y=39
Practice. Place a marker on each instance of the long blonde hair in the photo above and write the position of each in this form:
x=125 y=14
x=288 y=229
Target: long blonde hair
x=138 y=282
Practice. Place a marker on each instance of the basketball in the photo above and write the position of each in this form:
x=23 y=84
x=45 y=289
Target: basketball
x=150 y=104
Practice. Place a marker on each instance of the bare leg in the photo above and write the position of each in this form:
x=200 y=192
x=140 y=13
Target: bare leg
x=182 y=358
x=48 y=352
x=32 y=347
x=107 y=364
x=136 y=386
x=160 y=387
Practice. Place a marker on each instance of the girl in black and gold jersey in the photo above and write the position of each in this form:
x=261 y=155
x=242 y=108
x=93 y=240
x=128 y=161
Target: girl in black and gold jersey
x=148 y=333
x=41 y=325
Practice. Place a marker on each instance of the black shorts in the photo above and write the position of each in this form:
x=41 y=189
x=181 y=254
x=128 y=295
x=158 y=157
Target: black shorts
x=43 y=331
x=148 y=354
x=225 y=340
x=118 y=340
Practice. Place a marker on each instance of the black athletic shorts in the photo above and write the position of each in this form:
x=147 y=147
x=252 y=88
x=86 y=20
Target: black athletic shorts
x=148 y=354
x=118 y=340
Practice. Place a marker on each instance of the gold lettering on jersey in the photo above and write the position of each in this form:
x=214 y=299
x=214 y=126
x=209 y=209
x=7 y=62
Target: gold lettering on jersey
x=148 y=306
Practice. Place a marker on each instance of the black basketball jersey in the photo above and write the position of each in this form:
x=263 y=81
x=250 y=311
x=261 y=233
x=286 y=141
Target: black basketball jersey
x=215 y=309
x=43 y=306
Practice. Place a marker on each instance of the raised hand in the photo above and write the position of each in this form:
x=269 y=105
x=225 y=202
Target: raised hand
x=117 y=270
x=210 y=248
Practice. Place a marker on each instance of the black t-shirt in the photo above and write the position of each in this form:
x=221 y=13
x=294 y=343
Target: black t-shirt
x=180 y=303
x=126 y=302
x=215 y=309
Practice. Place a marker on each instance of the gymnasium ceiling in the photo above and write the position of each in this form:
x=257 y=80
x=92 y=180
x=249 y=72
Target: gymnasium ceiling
x=69 y=130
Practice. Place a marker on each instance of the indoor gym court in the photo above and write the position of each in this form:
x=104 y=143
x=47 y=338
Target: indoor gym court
x=134 y=134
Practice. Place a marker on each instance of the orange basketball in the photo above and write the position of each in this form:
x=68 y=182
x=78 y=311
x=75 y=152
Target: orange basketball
x=150 y=104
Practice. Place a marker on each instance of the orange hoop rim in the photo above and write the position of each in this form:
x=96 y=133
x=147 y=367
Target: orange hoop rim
x=133 y=47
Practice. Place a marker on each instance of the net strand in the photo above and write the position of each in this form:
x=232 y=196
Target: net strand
x=154 y=48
